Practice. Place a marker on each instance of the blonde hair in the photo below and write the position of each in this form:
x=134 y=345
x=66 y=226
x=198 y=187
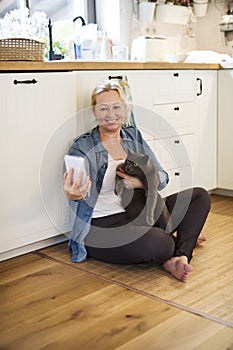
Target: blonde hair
x=108 y=85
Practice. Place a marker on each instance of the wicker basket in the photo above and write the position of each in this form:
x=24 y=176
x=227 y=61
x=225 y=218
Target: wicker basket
x=19 y=49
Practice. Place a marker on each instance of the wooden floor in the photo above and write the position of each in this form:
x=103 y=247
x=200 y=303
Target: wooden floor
x=47 y=302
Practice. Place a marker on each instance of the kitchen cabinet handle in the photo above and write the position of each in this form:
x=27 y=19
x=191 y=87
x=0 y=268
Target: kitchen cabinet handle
x=115 y=77
x=176 y=108
x=177 y=141
x=200 y=81
x=177 y=173
x=175 y=74
x=33 y=81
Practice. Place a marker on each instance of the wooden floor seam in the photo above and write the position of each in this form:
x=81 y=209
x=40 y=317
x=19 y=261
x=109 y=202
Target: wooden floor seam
x=138 y=291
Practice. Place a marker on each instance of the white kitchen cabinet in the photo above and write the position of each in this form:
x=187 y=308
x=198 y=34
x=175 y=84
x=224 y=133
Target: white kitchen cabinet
x=176 y=111
x=225 y=129
x=176 y=115
x=171 y=96
x=36 y=130
x=206 y=109
x=184 y=121
x=41 y=113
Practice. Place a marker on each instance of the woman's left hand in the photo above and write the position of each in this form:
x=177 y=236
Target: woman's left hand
x=130 y=181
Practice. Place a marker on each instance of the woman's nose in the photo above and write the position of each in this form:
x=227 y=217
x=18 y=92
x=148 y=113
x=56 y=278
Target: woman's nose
x=111 y=110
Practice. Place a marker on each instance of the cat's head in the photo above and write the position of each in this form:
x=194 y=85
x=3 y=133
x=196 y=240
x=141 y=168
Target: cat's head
x=135 y=163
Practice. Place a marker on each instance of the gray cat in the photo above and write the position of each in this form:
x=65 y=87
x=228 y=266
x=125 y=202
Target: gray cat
x=146 y=201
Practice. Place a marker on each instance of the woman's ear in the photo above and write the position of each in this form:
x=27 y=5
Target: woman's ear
x=94 y=113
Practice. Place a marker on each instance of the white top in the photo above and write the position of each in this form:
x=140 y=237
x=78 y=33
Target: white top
x=108 y=202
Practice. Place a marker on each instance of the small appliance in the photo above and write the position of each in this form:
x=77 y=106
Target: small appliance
x=149 y=48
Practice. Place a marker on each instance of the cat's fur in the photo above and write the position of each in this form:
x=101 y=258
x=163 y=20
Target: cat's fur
x=147 y=200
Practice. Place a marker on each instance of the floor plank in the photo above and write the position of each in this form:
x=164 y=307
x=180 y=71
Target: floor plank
x=183 y=332
x=41 y=292
x=22 y=266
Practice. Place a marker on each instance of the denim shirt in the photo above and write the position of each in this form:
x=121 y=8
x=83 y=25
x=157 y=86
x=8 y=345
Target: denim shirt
x=90 y=147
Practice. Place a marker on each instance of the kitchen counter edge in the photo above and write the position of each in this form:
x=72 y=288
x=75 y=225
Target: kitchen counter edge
x=22 y=66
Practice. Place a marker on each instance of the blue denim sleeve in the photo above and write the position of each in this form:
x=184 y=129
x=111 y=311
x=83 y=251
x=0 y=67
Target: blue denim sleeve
x=79 y=252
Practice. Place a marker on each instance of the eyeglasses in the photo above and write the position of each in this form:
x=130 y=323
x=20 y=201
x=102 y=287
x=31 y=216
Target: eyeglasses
x=116 y=108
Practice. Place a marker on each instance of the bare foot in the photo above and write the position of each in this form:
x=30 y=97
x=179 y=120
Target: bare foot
x=179 y=267
x=201 y=239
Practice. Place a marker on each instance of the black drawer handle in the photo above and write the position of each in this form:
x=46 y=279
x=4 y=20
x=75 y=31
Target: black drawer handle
x=177 y=141
x=115 y=77
x=200 y=81
x=33 y=81
x=176 y=108
x=175 y=74
x=177 y=173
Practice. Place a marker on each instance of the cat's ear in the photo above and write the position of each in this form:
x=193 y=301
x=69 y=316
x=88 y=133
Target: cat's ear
x=145 y=158
x=131 y=155
x=130 y=152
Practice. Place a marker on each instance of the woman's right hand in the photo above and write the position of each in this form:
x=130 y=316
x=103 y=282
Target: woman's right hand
x=75 y=191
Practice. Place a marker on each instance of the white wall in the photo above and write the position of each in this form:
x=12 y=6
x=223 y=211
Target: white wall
x=118 y=18
x=207 y=34
x=207 y=30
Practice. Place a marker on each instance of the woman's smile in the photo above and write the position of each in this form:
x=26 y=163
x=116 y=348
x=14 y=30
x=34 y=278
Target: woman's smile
x=111 y=120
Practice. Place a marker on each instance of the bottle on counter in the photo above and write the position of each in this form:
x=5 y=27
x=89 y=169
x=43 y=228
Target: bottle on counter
x=78 y=22
x=105 y=48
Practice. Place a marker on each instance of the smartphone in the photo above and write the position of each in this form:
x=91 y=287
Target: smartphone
x=78 y=163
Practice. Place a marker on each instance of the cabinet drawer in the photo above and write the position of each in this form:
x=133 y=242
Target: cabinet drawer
x=179 y=179
x=175 y=152
x=174 y=86
x=177 y=118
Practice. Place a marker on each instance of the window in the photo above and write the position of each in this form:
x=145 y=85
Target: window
x=61 y=13
x=60 y=9
x=6 y=6
x=57 y=10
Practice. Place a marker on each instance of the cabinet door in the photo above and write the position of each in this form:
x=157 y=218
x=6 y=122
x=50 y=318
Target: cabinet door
x=225 y=129
x=37 y=128
x=206 y=101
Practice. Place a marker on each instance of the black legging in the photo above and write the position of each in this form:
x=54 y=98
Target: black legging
x=114 y=239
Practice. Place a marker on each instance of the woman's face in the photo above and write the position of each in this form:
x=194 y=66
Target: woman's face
x=109 y=110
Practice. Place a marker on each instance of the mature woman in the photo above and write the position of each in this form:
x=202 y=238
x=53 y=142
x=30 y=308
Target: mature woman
x=101 y=228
